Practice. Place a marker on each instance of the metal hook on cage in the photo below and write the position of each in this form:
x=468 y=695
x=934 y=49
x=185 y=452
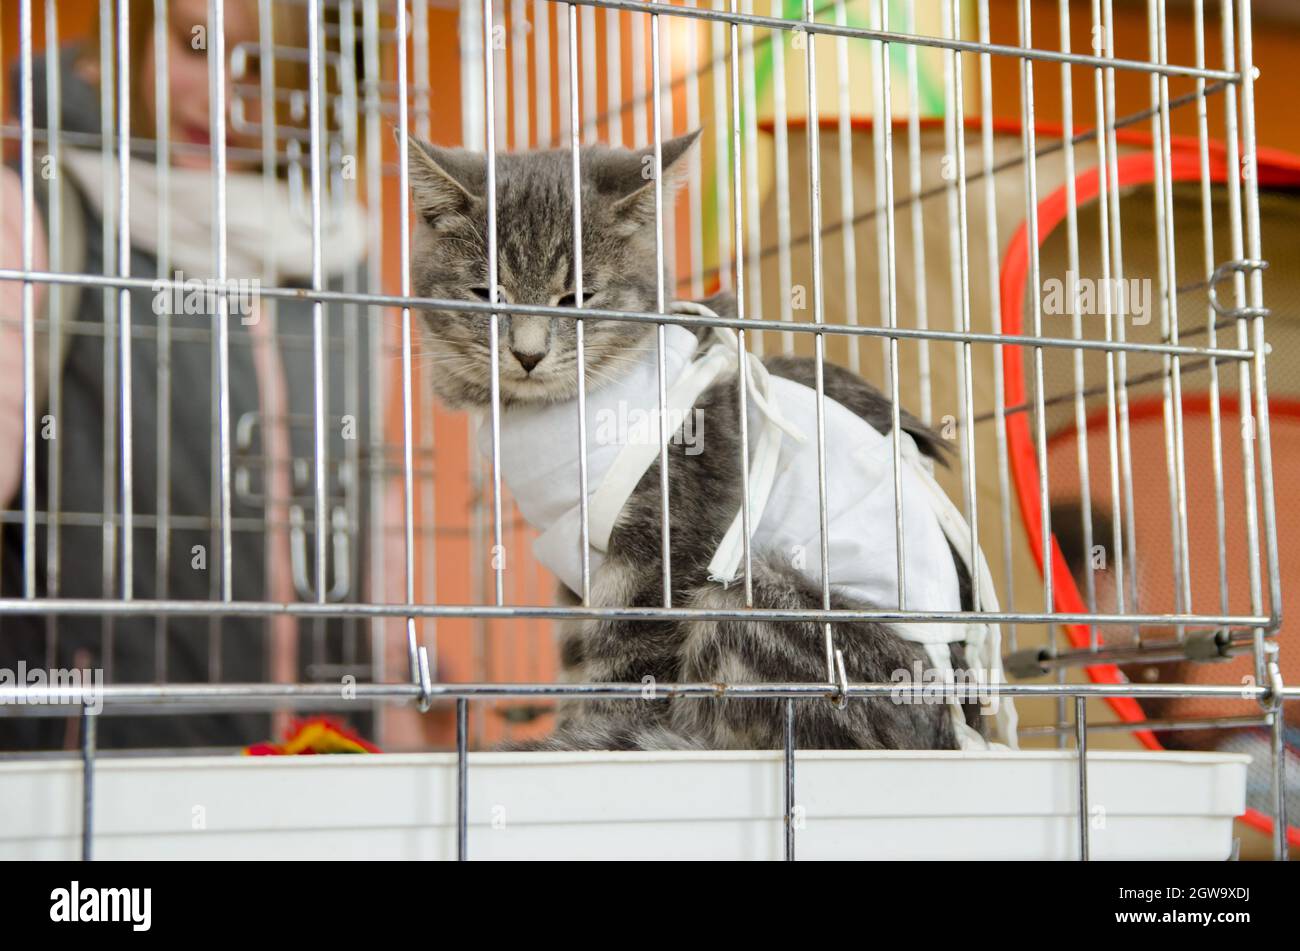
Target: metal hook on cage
x=1272 y=701
x=424 y=679
x=1225 y=270
x=1272 y=698
x=245 y=426
x=296 y=175
x=298 y=553
x=840 y=699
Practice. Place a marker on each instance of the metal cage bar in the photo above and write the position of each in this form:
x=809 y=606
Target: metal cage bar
x=510 y=99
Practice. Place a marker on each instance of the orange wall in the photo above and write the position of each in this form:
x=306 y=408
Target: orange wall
x=1276 y=46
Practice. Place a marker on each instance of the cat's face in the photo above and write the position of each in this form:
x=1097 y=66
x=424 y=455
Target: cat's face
x=537 y=356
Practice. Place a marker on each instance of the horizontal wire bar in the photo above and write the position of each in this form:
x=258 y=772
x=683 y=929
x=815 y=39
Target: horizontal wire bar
x=337 y=704
x=909 y=39
x=686 y=320
x=1162 y=651
x=1206 y=723
x=143 y=607
x=169 y=694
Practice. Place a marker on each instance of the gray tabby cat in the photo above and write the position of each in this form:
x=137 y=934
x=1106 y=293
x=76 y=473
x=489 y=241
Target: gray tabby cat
x=538 y=364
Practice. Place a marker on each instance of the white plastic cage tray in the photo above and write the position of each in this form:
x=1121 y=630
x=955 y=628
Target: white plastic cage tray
x=711 y=805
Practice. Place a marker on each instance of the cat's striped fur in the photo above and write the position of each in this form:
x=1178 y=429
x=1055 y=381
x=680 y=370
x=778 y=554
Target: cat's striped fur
x=535 y=247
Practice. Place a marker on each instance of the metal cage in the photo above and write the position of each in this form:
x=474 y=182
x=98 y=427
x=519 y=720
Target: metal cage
x=403 y=568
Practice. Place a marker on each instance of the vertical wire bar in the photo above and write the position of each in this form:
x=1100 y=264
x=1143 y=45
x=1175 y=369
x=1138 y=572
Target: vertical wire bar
x=884 y=129
x=1076 y=320
x=1177 y=458
x=742 y=380
x=562 y=40
x=1105 y=195
x=995 y=309
x=1028 y=139
x=476 y=23
x=1211 y=318
x=420 y=64
x=815 y=241
x=1164 y=279
x=54 y=294
x=471 y=79
x=1260 y=347
x=462 y=773
x=413 y=649
x=661 y=306
x=501 y=87
x=377 y=376
x=494 y=349
x=1278 y=752
x=519 y=70
x=1081 y=743
x=920 y=283
x=478 y=577
x=1180 y=452
x=162 y=165
x=108 y=234
x=752 y=212
x=1235 y=162
x=1121 y=334
x=720 y=95
x=614 y=77
x=668 y=127
x=951 y=132
x=848 y=237
x=1258 y=344
x=638 y=82
x=29 y=305
x=789 y=779
x=590 y=133
x=542 y=70
x=963 y=270
x=424 y=129
x=348 y=189
x=317 y=282
x=124 y=296
x=584 y=540
x=320 y=337
x=781 y=149
x=89 y=725
x=876 y=14
x=695 y=198
x=217 y=78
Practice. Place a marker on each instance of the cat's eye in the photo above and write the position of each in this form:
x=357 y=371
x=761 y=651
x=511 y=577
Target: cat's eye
x=484 y=293
x=571 y=300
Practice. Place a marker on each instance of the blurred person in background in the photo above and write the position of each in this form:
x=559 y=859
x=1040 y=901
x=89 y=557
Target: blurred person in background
x=78 y=369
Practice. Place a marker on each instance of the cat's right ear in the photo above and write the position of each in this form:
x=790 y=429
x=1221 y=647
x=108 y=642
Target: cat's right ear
x=444 y=181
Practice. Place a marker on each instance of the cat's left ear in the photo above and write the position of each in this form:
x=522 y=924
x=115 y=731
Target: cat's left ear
x=443 y=180
x=637 y=206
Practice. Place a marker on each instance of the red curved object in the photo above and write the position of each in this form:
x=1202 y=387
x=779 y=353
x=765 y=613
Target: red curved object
x=1274 y=169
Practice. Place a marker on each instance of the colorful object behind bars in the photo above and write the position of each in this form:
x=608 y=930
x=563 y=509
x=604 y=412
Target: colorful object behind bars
x=316 y=735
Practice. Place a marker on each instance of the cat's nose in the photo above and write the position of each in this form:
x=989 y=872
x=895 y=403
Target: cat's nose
x=528 y=360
